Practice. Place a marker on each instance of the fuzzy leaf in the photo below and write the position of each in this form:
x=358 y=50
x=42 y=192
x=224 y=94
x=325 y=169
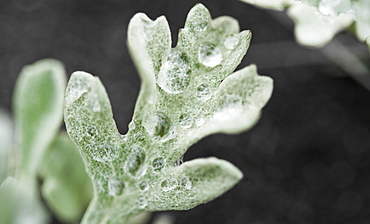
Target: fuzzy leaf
x=195 y=182
x=317 y=21
x=363 y=19
x=66 y=187
x=187 y=93
x=6 y=143
x=38 y=109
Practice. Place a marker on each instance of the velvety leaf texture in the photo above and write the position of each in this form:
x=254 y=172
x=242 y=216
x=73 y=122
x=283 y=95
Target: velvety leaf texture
x=187 y=93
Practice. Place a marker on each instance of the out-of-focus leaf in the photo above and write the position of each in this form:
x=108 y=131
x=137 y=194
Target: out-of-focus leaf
x=66 y=187
x=6 y=143
x=18 y=205
x=38 y=110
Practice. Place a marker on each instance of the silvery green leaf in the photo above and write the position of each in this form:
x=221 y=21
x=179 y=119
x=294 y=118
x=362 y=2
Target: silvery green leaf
x=270 y=4
x=192 y=183
x=6 y=143
x=66 y=187
x=316 y=21
x=187 y=92
x=363 y=19
x=38 y=111
x=317 y=25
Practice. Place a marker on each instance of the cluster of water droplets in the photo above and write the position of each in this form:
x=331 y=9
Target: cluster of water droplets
x=174 y=75
x=333 y=8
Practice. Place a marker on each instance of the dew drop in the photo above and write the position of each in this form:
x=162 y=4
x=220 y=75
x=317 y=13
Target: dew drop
x=185 y=121
x=209 y=55
x=158 y=164
x=174 y=75
x=160 y=127
x=135 y=161
x=103 y=153
x=185 y=182
x=169 y=184
x=142 y=202
x=203 y=92
x=199 y=25
x=143 y=185
x=231 y=41
x=115 y=187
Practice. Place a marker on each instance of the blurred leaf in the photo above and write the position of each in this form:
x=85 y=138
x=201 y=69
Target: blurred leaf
x=38 y=110
x=18 y=205
x=66 y=187
x=6 y=143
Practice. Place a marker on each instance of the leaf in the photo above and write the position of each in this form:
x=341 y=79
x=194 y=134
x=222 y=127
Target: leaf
x=19 y=205
x=66 y=187
x=38 y=110
x=317 y=25
x=196 y=182
x=6 y=143
x=187 y=93
x=363 y=19
x=270 y=4
x=317 y=21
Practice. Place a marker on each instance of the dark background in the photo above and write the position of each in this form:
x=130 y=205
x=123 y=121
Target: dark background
x=306 y=161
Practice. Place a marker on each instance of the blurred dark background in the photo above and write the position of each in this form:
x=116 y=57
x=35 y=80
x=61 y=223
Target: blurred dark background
x=308 y=158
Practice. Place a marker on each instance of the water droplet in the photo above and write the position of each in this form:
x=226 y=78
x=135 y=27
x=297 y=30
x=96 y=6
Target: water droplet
x=185 y=182
x=76 y=89
x=231 y=41
x=142 y=202
x=160 y=127
x=143 y=185
x=169 y=184
x=158 y=163
x=185 y=121
x=204 y=92
x=209 y=55
x=135 y=160
x=174 y=75
x=200 y=122
x=103 y=153
x=115 y=187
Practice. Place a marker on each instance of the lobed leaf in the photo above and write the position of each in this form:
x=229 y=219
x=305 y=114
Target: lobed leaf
x=187 y=93
x=195 y=182
x=38 y=111
x=318 y=21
